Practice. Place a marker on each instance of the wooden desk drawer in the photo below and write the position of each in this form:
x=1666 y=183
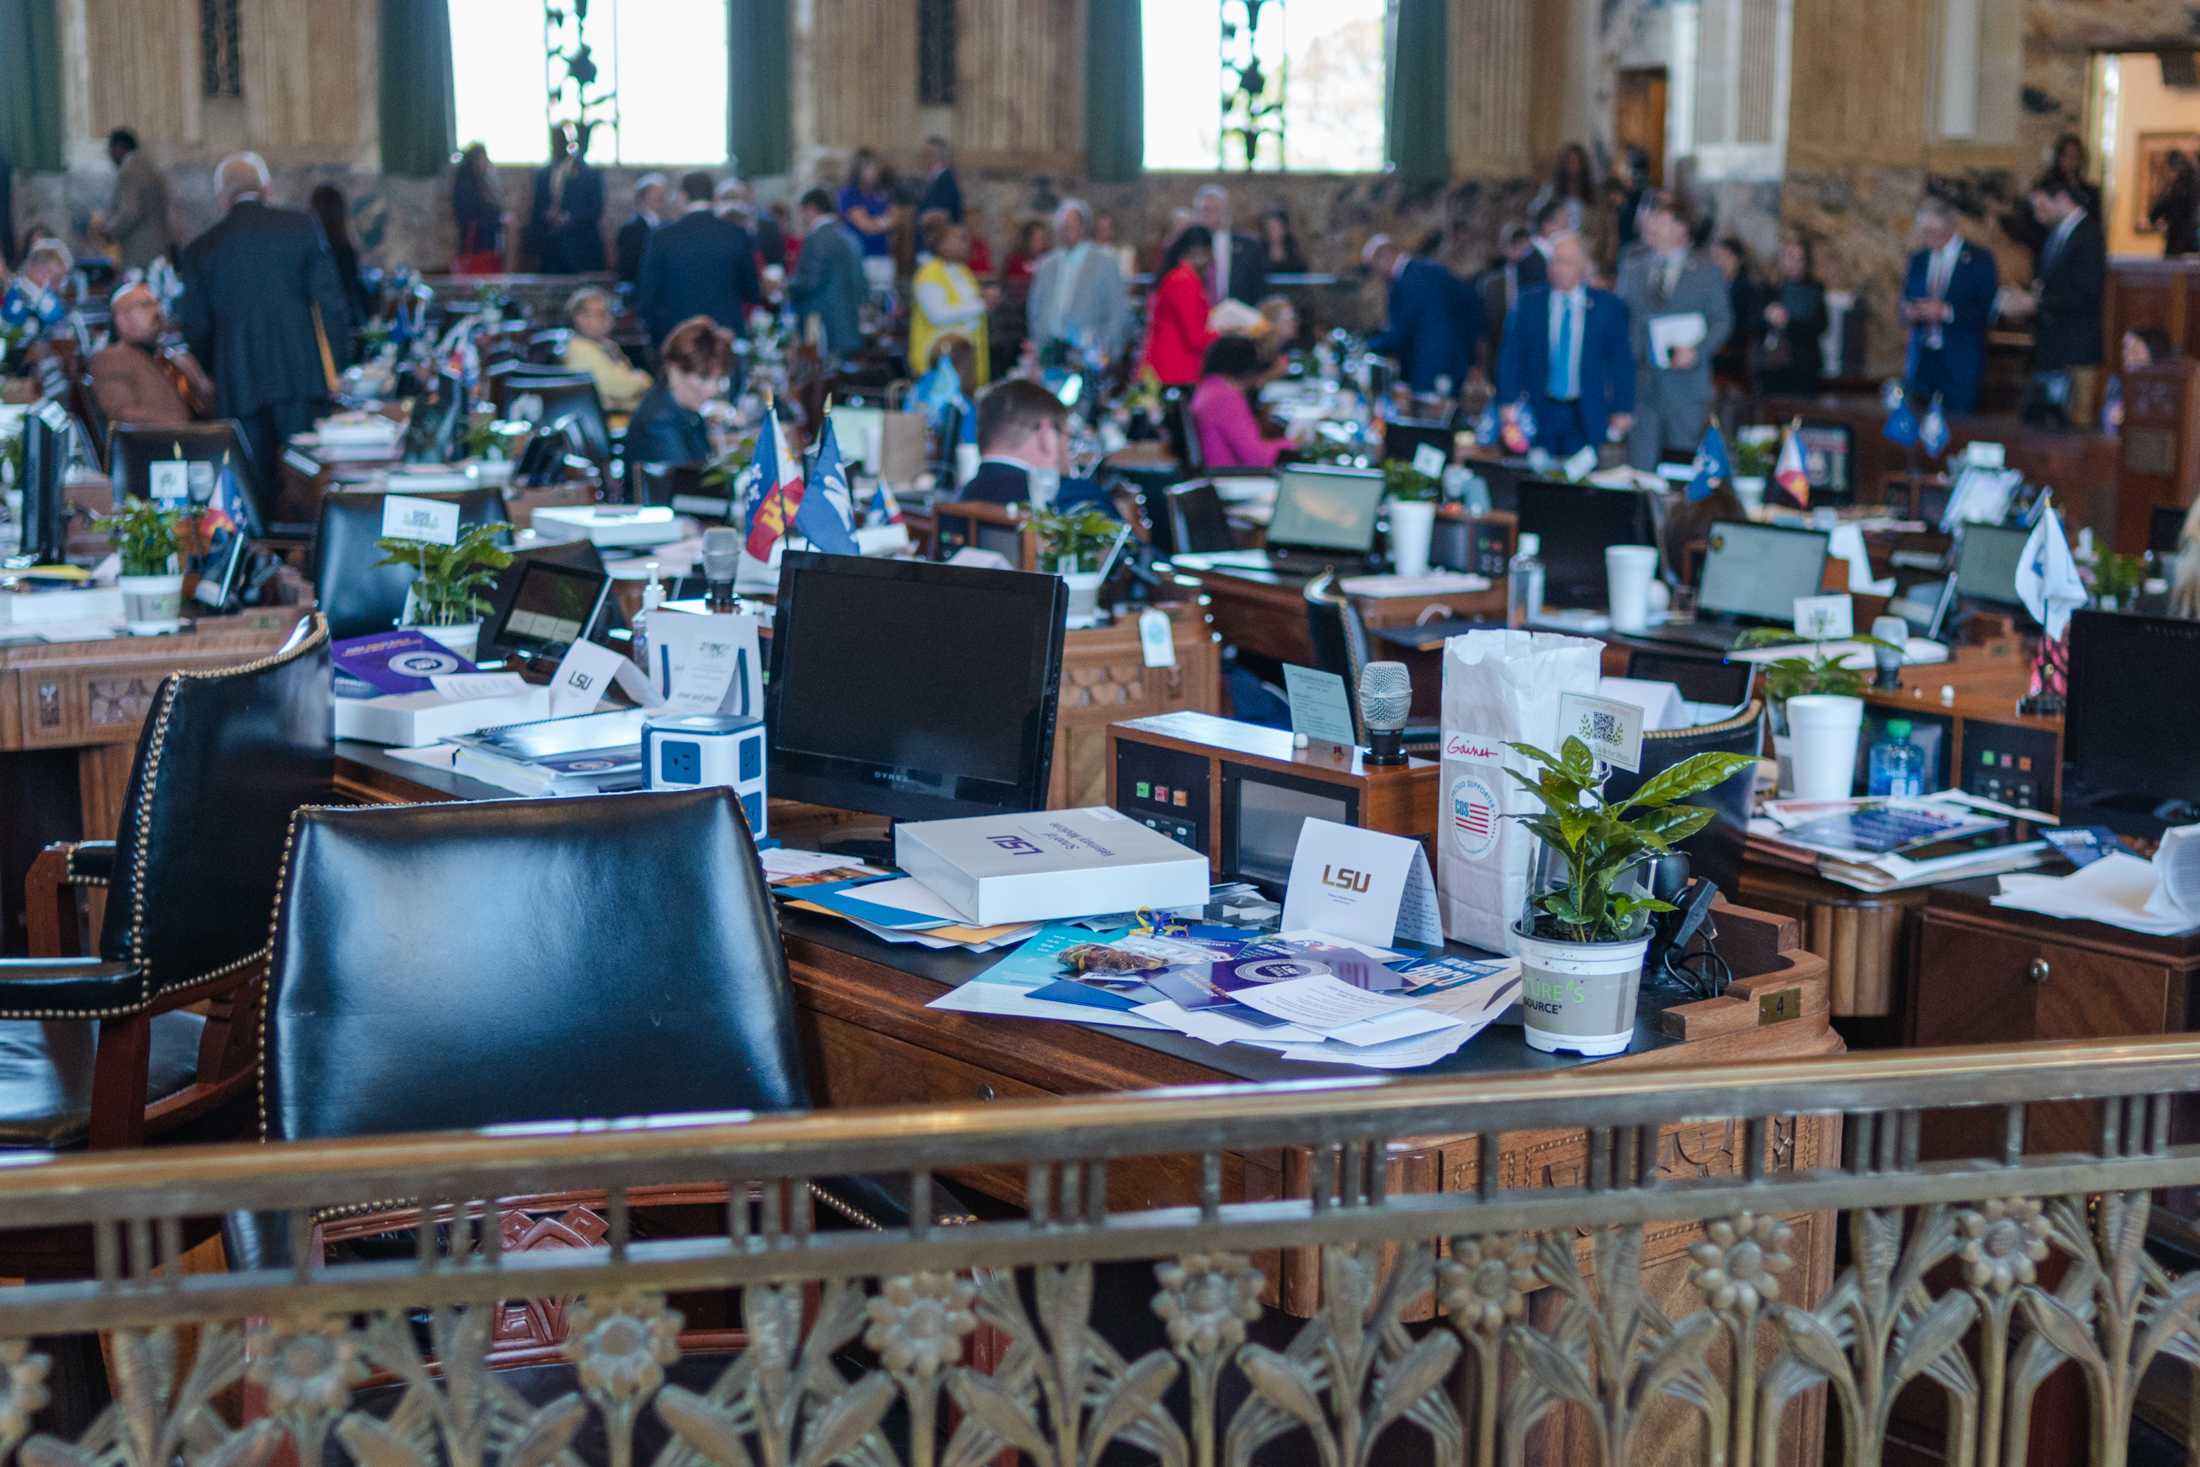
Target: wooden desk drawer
x=858 y=1066
x=1978 y=987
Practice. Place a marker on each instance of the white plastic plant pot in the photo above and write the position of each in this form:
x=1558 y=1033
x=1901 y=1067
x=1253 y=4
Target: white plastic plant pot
x=1084 y=596
x=1579 y=997
x=1412 y=527
x=152 y=604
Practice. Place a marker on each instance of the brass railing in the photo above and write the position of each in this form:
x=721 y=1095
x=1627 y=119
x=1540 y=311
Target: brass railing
x=1482 y=1325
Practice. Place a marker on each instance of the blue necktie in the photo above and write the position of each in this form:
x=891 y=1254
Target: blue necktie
x=1561 y=385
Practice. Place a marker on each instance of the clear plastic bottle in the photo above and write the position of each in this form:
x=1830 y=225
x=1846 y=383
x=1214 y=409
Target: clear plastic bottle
x=653 y=596
x=1897 y=765
x=1524 y=582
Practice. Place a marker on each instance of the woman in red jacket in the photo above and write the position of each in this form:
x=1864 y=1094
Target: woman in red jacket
x=1176 y=314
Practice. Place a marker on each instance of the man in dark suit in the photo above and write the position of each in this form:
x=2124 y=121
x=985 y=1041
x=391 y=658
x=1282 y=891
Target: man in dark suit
x=2065 y=305
x=942 y=190
x=698 y=265
x=1240 y=271
x=1948 y=299
x=649 y=212
x=262 y=308
x=1435 y=325
x=565 y=216
x=1549 y=224
x=1569 y=356
x=1023 y=447
x=828 y=284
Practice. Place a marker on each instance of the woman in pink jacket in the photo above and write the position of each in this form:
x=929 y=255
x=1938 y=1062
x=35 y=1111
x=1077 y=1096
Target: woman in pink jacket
x=1222 y=408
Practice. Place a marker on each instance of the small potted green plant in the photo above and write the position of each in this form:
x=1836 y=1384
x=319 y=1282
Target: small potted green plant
x=445 y=600
x=1755 y=452
x=2117 y=580
x=1412 y=497
x=1812 y=689
x=1075 y=543
x=147 y=538
x=1586 y=926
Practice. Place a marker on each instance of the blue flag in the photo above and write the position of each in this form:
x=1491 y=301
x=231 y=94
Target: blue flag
x=819 y=518
x=1902 y=424
x=1485 y=427
x=1713 y=467
x=1932 y=434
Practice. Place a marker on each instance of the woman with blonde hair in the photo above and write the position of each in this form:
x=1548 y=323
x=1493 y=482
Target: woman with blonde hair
x=590 y=349
x=947 y=299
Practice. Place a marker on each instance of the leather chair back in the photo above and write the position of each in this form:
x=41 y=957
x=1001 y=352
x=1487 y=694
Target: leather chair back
x=224 y=759
x=96 y=425
x=1197 y=521
x=565 y=394
x=131 y=450
x=1339 y=636
x=441 y=966
x=355 y=592
x=1715 y=852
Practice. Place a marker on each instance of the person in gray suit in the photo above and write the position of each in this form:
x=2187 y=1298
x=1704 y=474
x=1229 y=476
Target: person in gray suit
x=1077 y=294
x=1665 y=278
x=137 y=217
x=828 y=276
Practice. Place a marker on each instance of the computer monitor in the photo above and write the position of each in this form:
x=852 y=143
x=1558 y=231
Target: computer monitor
x=1404 y=437
x=175 y=463
x=1329 y=510
x=2165 y=529
x=1987 y=557
x=2123 y=763
x=47 y=439
x=1198 y=524
x=912 y=690
x=552 y=607
x=1828 y=451
x=1575 y=522
x=1754 y=572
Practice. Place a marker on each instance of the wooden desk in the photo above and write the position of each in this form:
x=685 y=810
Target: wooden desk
x=1263 y=613
x=69 y=719
x=1105 y=679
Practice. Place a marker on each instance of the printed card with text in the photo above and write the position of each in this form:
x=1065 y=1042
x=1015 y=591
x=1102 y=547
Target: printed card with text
x=1825 y=618
x=409 y=517
x=1361 y=885
x=1610 y=727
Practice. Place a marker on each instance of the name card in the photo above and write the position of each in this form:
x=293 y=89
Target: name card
x=1610 y=727
x=1825 y=618
x=409 y=517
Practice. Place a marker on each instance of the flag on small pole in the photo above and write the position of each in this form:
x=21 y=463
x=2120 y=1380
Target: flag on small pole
x=818 y=516
x=1713 y=467
x=1790 y=472
x=1932 y=434
x=775 y=488
x=2050 y=587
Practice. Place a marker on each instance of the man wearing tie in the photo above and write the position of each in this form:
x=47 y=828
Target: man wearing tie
x=2064 y=304
x=1434 y=330
x=1667 y=282
x=1566 y=353
x=1948 y=298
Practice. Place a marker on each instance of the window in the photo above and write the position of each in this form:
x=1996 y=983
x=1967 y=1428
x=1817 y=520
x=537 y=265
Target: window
x=658 y=96
x=935 y=53
x=1265 y=85
x=220 y=63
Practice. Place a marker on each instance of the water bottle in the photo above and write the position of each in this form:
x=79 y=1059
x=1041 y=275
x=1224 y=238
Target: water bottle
x=1897 y=765
x=1524 y=582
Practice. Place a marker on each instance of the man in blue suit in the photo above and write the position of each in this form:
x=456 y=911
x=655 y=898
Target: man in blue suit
x=1435 y=329
x=698 y=265
x=1567 y=353
x=1948 y=299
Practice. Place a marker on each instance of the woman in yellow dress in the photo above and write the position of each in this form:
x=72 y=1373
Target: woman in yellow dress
x=590 y=349
x=947 y=299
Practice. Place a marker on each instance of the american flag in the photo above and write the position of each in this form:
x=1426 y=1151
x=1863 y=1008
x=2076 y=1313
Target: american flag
x=1474 y=819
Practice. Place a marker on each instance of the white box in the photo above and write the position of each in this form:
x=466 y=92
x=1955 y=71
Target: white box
x=1049 y=865
x=61 y=603
x=411 y=719
x=609 y=526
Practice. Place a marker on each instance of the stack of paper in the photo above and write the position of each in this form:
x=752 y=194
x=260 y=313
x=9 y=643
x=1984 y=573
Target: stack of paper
x=893 y=909
x=1889 y=844
x=2117 y=889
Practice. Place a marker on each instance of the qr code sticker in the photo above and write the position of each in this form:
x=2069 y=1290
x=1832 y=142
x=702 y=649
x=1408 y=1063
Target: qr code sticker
x=1601 y=728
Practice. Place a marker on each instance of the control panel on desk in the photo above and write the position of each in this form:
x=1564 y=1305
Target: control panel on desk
x=2009 y=763
x=1166 y=791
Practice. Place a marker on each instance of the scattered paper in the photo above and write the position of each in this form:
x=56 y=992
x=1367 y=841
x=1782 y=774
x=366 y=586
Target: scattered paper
x=1362 y=885
x=2116 y=889
x=1685 y=328
x=780 y=861
x=462 y=686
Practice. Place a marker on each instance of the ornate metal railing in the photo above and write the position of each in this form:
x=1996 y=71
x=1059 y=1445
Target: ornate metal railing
x=1484 y=1324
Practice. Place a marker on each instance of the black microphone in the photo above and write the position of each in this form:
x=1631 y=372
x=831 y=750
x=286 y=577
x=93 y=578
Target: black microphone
x=1386 y=697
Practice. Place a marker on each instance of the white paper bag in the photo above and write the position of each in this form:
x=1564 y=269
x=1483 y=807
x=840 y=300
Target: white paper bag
x=1500 y=687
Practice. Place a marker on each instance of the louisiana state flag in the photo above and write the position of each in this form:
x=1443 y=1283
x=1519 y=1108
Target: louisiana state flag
x=818 y=518
x=1789 y=472
x=885 y=508
x=1518 y=430
x=775 y=490
x=1713 y=466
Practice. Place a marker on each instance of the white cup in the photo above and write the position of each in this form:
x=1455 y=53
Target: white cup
x=1628 y=570
x=1412 y=524
x=1822 y=733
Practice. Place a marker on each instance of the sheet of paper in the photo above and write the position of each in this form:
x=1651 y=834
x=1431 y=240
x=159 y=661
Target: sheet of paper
x=169 y=479
x=707 y=664
x=586 y=673
x=780 y=861
x=460 y=686
x=1661 y=703
x=1684 y=328
x=1362 y=885
x=1320 y=707
x=1326 y=1003
x=409 y=517
x=1429 y=459
x=1004 y=989
x=1215 y=1028
x=2114 y=890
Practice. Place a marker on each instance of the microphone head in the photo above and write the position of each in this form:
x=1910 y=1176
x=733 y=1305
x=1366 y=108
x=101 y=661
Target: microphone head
x=1894 y=631
x=1386 y=696
x=721 y=553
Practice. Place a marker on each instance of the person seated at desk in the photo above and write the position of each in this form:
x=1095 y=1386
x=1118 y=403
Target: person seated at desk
x=668 y=427
x=947 y=299
x=1177 y=334
x=590 y=349
x=1568 y=355
x=1023 y=447
x=138 y=380
x=2142 y=347
x=1222 y=410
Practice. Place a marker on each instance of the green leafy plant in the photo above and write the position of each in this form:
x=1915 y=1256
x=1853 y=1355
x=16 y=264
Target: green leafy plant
x=1601 y=842
x=1326 y=450
x=1074 y=539
x=1754 y=458
x=2117 y=578
x=451 y=577
x=146 y=536
x=1806 y=674
x=1403 y=481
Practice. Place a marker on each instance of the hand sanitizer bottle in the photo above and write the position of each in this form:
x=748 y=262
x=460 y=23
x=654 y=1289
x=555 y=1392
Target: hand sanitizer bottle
x=1524 y=582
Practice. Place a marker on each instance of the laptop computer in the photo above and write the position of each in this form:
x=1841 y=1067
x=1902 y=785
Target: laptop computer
x=1751 y=577
x=1324 y=516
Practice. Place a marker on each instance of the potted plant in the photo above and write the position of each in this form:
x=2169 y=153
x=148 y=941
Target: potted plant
x=1754 y=456
x=1815 y=691
x=2117 y=580
x=146 y=539
x=1586 y=925
x=1075 y=542
x=1412 y=498
x=445 y=600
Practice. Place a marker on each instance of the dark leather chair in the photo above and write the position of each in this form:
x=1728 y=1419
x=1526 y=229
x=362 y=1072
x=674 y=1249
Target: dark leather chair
x=519 y=986
x=354 y=590
x=1341 y=646
x=96 y=425
x=1196 y=520
x=132 y=449
x=1702 y=677
x=548 y=346
x=1715 y=852
x=224 y=759
x=569 y=395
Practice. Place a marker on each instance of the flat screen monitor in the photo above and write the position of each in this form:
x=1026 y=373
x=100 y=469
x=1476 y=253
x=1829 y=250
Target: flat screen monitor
x=1199 y=524
x=912 y=690
x=1754 y=572
x=2165 y=529
x=47 y=440
x=1326 y=509
x=204 y=463
x=552 y=607
x=1575 y=522
x=2130 y=677
x=1828 y=450
x=1404 y=437
x=1987 y=557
